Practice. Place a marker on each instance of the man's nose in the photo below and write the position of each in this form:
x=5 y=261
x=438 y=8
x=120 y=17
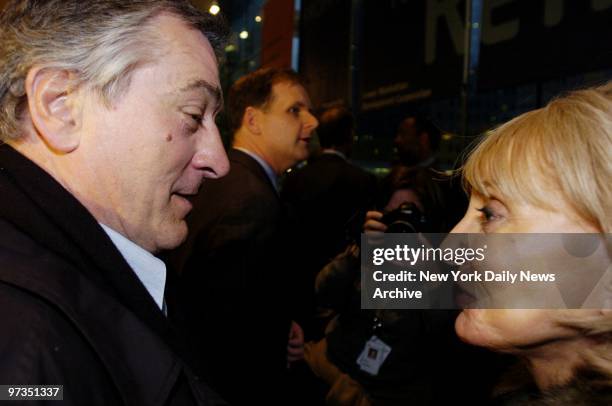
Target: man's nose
x=310 y=122
x=211 y=157
x=397 y=140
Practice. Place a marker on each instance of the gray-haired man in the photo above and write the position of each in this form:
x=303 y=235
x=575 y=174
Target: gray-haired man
x=107 y=112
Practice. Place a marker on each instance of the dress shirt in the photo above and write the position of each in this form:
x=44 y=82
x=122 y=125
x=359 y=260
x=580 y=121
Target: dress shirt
x=148 y=268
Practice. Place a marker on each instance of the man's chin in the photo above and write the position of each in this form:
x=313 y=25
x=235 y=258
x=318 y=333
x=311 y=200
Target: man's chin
x=172 y=237
x=302 y=155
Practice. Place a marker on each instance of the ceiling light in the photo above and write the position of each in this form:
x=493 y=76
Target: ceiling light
x=214 y=8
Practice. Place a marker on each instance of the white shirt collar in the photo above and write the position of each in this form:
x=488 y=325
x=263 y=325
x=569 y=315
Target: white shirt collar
x=149 y=269
x=334 y=152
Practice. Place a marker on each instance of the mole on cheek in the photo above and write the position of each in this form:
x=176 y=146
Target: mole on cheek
x=169 y=137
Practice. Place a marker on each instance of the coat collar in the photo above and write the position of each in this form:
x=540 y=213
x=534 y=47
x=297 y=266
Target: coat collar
x=241 y=158
x=142 y=367
x=43 y=209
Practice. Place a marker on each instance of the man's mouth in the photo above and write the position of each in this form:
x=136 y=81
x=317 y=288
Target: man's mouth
x=187 y=197
x=187 y=192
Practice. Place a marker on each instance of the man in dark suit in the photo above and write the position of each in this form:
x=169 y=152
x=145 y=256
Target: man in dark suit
x=235 y=283
x=107 y=127
x=329 y=198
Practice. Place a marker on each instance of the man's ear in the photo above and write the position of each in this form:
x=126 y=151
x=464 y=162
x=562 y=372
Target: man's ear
x=251 y=120
x=51 y=103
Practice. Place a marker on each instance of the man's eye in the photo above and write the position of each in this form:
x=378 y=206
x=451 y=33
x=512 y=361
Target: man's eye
x=193 y=121
x=196 y=117
x=294 y=110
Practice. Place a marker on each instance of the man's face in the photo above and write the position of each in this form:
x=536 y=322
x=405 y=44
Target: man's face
x=286 y=126
x=408 y=143
x=152 y=149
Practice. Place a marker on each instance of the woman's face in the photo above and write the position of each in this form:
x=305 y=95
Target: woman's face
x=512 y=329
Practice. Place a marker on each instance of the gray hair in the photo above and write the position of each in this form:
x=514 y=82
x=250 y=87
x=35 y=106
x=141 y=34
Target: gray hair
x=100 y=41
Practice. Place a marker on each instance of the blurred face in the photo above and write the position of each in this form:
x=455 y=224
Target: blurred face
x=403 y=196
x=409 y=143
x=151 y=150
x=286 y=126
x=513 y=329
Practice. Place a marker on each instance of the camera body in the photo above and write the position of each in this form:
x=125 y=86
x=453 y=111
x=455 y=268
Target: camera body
x=407 y=218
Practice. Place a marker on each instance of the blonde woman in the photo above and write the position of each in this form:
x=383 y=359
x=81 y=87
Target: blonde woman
x=548 y=171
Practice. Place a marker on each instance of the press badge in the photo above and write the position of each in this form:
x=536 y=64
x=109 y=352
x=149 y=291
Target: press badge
x=373 y=355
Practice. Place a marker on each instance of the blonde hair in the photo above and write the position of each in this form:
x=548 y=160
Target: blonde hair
x=565 y=147
x=101 y=41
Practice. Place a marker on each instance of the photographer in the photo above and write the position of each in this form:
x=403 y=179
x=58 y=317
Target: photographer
x=413 y=202
x=415 y=341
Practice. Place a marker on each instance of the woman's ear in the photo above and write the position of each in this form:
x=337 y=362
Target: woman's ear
x=51 y=103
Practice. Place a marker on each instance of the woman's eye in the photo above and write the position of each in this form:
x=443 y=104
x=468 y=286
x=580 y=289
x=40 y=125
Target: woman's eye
x=491 y=214
x=487 y=213
x=294 y=110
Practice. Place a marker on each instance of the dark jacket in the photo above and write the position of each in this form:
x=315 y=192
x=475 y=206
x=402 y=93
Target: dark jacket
x=73 y=312
x=232 y=286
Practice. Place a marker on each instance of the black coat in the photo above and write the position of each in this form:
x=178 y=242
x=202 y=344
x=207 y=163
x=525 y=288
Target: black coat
x=233 y=287
x=72 y=310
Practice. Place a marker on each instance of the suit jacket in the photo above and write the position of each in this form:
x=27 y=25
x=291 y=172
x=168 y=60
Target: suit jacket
x=232 y=287
x=73 y=312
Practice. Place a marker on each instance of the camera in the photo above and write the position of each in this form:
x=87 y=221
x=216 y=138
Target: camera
x=405 y=219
